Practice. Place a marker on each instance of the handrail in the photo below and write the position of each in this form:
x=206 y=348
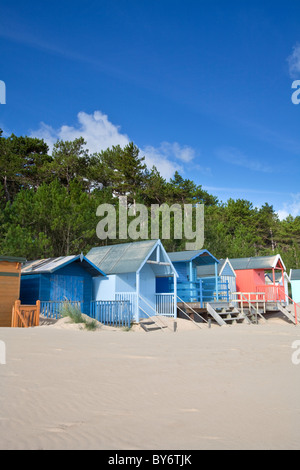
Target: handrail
x=194 y=311
x=184 y=313
x=293 y=302
x=203 y=290
x=243 y=294
x=150 y=317
x=156 y=313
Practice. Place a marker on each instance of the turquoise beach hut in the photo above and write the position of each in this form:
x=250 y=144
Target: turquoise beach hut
x=295 y=284
x=132 y=273
x=226 y=275
x=189 y=287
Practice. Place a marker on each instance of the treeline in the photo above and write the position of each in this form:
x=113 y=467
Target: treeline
x=49 y=203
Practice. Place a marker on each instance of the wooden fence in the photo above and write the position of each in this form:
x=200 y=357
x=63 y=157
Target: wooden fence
x=53 y=310
x=112 y=312
x=25 y=316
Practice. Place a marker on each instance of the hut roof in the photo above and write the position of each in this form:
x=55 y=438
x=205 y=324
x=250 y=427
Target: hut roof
x=200 y=257
x=295 y=275
x=12 y=259
x=122 y=258
x=51 y=265
x=258 y=262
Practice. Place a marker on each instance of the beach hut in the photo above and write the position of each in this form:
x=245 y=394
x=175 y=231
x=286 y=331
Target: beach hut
x=189 y=287
x=295 y=284
x=251 y=276
x=226 y=274
x=55 y=280
x=10 y=274
x=132 y=270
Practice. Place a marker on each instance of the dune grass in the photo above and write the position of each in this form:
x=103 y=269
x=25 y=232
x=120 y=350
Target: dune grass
x=74 y=313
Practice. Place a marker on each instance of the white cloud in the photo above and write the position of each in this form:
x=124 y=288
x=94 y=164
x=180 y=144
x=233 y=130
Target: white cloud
x=234 y=156
x=294 y=62
x=185 y=154
x=290 y=208
x=156 y=157
x=100 y=134
x=96 y=129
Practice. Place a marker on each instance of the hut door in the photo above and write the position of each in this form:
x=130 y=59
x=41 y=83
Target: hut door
x=67 y=288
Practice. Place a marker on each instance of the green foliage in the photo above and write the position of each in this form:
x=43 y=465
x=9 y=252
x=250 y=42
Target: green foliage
x=48 y=203
x=74 y=313
x=71 y=311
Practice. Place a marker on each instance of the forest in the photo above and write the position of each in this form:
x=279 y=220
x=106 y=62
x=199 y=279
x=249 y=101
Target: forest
x=49 y=203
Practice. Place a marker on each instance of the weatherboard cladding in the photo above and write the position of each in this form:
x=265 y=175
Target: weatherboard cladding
x=121 y=258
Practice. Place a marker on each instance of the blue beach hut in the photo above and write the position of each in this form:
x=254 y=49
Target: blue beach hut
x=189 y=287
x=132 y=270
x=55 y=280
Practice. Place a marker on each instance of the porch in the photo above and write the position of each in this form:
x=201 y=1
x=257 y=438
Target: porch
x=203 y=290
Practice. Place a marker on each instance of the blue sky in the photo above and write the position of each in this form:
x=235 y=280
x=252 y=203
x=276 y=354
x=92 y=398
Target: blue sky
x=202 y=87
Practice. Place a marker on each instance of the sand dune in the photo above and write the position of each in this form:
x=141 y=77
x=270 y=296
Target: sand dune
x=220 y=388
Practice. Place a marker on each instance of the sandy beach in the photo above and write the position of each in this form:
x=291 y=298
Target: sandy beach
x=235 y=387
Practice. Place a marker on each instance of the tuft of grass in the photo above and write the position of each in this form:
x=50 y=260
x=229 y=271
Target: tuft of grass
x=90 y=325
x=74 y=313
x=128 y=328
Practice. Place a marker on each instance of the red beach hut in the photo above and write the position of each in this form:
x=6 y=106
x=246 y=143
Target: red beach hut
x=251 y=276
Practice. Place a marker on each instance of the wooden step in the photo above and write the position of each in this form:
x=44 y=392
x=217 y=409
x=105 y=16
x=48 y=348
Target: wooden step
x=149 y=326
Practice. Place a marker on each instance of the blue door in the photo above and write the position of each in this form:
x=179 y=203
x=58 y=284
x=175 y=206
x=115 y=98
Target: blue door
x=66 y=288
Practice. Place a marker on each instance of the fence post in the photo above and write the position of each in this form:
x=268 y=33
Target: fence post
x=37 y=313
x=201 y=292
x=17 y=312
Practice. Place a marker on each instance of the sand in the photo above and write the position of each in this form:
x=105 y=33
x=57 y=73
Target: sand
x=64 y=387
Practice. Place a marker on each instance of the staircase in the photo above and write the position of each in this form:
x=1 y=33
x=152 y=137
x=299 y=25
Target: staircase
x=289 y=312
x=154 y=322
x=225 y=313
x=291 y=309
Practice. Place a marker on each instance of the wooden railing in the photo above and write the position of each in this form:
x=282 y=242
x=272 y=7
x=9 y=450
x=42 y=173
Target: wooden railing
x=295 y=304
x=203 y=290
x=131 y=297
x=53 y=310
x=272 y=293
x=25 y=316
x=251 y=301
